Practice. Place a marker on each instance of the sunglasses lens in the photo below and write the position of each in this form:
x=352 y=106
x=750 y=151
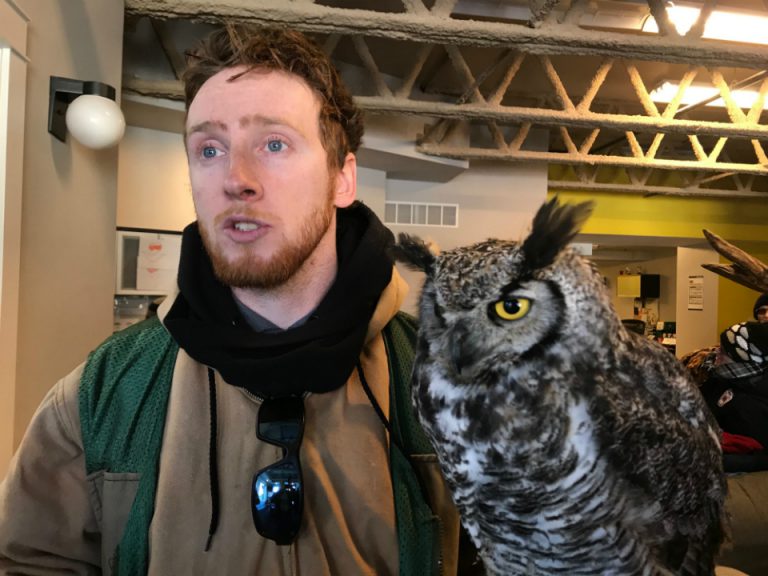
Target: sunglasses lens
x=277 y=501
x=277 y=496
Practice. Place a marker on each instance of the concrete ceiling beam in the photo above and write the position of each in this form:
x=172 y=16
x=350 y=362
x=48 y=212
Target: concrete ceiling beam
x=550 y=117
x=644 y=190
x=437 y=29
x=566 y=158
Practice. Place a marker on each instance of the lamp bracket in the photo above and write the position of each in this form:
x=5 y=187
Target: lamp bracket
x=62 y=92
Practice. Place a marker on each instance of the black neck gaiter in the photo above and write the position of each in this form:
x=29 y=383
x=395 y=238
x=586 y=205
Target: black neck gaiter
x=317 y=356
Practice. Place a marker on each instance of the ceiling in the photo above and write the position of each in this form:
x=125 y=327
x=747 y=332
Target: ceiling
x=562 y=82
x=631 y=252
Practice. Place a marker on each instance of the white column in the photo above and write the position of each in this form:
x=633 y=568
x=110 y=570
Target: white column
x=13 y=79
x=696 y=317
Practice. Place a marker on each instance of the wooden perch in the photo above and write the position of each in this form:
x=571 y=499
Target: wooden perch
x=745 y=270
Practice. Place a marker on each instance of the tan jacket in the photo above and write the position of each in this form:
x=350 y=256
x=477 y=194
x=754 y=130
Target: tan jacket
x=54 y=519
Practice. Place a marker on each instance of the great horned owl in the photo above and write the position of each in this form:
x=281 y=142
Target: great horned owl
x=571 y=445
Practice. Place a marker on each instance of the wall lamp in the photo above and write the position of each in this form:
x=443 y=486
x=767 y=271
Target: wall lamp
x=87 y=110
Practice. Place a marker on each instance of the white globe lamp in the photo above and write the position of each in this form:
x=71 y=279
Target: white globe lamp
x=85 y=109
x=95 y=121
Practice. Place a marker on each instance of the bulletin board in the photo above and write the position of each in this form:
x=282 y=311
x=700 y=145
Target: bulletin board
x=147 y=262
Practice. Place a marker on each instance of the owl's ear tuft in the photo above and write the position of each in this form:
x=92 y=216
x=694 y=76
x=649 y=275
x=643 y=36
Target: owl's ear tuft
x=414 y=252
x=554 y=226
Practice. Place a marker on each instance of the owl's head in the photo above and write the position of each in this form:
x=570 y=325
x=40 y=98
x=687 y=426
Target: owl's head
x=512 y=299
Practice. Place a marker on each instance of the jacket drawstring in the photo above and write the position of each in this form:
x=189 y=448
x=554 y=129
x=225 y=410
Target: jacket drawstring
x=393 y=438
x=374 y=402
x=213 y=461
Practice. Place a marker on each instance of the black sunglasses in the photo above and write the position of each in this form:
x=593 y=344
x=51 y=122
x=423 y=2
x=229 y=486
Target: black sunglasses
x=277 y=495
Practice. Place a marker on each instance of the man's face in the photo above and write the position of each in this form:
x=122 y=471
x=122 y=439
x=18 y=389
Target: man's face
x=263 y=192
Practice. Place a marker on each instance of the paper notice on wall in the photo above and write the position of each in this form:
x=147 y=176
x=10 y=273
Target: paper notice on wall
x=158 y=263
x=695 y=292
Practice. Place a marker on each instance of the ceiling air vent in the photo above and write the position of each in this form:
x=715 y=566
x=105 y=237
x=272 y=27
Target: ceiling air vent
x=421 y=214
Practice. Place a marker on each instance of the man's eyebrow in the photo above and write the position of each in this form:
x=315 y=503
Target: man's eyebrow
x=206 y=126
x=262 y=120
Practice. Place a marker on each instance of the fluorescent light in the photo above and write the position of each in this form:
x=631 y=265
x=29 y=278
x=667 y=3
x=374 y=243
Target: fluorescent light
x=721 y=25
x=683 y=17
x=694 y=94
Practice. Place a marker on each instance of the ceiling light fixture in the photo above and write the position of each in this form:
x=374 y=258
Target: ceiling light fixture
x=87 y=110
x=721 y=24
x=696 y=93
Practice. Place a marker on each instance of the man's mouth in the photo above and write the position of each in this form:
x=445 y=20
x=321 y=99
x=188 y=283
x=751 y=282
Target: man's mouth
x=242 y=222
x=246 y=226
x=245 y=229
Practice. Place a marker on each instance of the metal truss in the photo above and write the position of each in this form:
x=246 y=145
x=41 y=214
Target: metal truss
x=652 y=182
x=503 y=84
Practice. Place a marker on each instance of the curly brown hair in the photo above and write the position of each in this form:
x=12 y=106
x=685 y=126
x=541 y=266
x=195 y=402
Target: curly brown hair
x=341 y=123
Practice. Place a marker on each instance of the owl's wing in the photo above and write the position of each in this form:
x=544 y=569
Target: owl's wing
x=660 y=437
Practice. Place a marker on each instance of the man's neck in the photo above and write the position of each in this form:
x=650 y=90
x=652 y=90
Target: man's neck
x=284 y=305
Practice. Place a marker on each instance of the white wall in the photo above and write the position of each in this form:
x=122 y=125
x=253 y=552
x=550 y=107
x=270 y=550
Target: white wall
x=372 y=189
x=496 y=200
x=153 y=181
x=69 y=194
x=696 y=328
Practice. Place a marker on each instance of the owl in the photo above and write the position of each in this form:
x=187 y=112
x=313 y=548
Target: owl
x=571 y=445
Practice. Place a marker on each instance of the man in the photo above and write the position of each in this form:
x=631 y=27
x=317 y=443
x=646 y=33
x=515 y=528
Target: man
x=253 y=439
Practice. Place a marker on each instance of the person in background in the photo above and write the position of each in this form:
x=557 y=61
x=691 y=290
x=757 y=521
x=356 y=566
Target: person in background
x=701 y=362
x=760 y=309
x=260 y=424
x=736 y=392
x=733 y=378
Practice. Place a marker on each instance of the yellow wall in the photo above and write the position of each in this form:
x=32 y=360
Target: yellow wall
x=743 y=222
x=635 y=215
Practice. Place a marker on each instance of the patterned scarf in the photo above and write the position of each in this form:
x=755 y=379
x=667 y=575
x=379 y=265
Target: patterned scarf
x=746 y=342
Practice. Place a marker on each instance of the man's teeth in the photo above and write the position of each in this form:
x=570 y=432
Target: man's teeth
x=246 y=226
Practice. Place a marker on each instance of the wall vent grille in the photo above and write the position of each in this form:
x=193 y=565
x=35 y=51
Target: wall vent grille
x=421 y=214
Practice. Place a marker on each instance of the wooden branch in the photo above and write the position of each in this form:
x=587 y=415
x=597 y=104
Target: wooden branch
x=745 y=270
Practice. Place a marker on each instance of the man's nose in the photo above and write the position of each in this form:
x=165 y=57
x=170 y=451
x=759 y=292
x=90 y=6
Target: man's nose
x=242 y=181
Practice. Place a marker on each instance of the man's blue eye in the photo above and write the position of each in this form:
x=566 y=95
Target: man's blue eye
x=275 y=145
x=209 y=152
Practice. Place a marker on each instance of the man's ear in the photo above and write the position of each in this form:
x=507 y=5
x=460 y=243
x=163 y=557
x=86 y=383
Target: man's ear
x=346 y=182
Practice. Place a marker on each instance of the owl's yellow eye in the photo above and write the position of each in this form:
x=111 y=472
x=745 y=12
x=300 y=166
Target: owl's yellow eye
x=512 y=308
